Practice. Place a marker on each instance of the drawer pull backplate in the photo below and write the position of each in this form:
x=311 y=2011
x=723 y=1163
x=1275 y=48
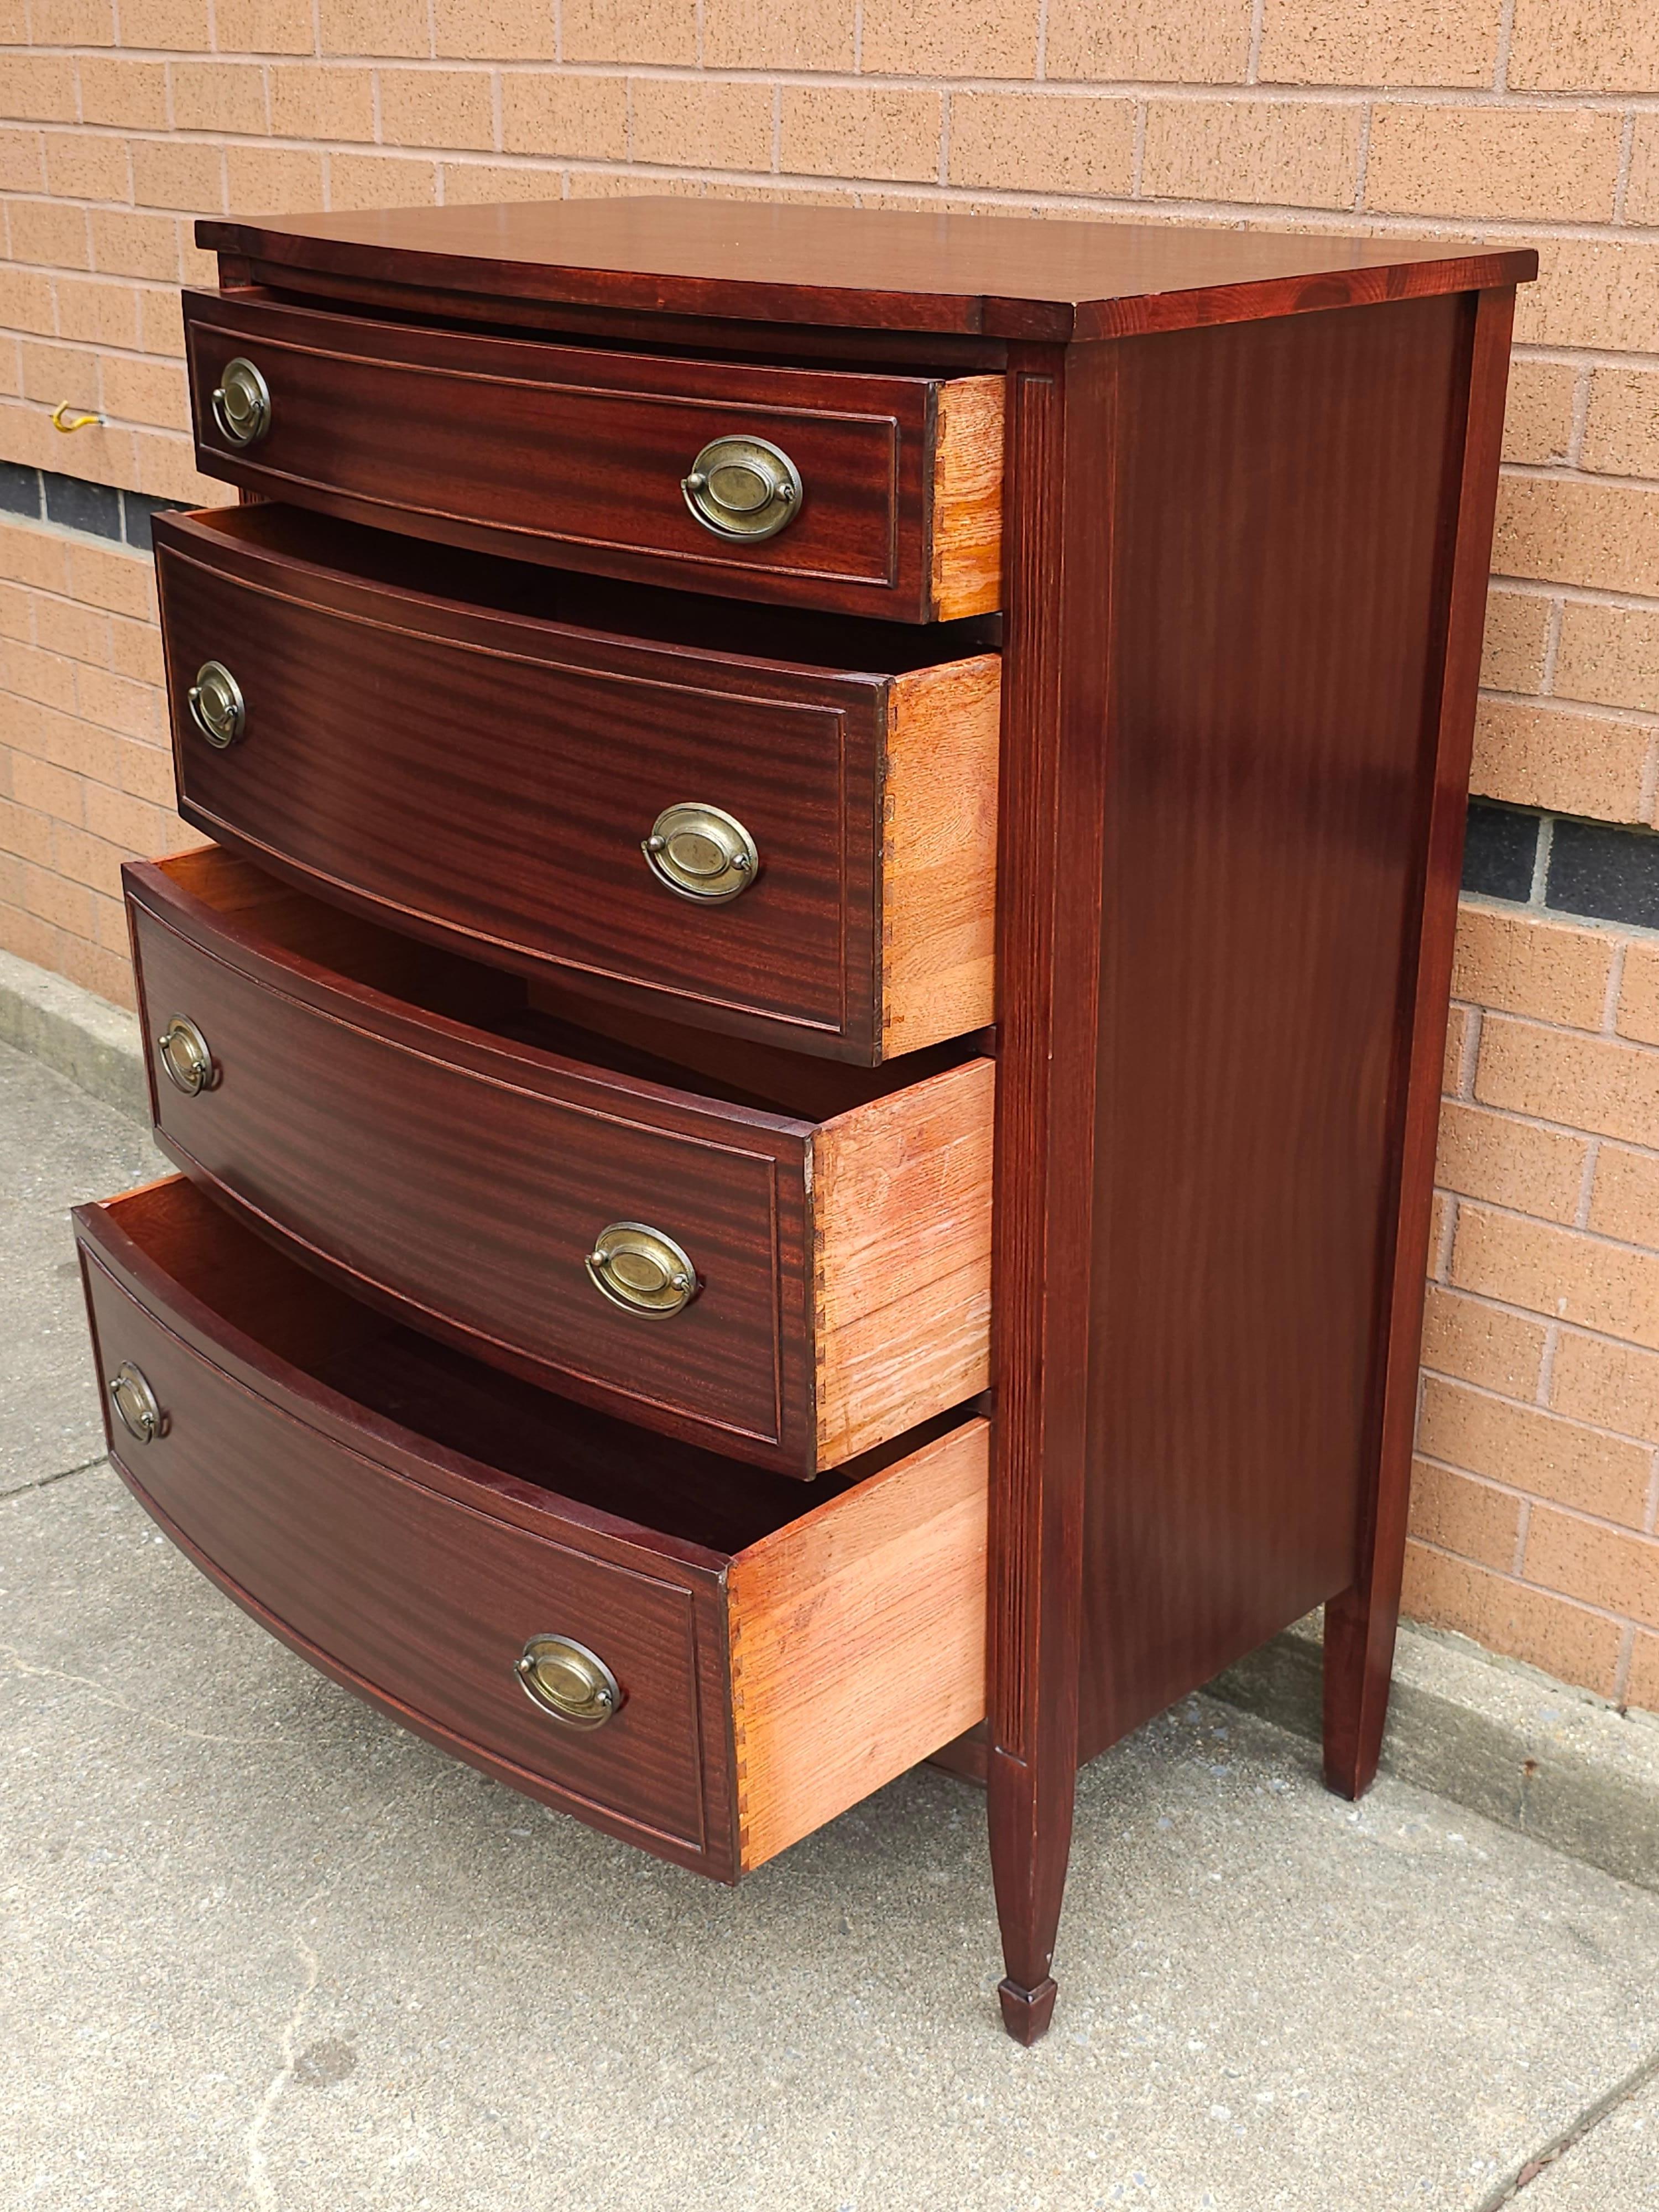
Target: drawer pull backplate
x=566 y=1679
x=639 y=1269
x=216 y=705
x=702 y=852
x=186 y=1056
x=743 y=487
x=140 y=1413
x=241 y=402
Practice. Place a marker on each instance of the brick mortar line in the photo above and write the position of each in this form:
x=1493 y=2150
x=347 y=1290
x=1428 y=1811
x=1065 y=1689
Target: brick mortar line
x=1489 y=902
x=1538 y=1590
x=1567 y=356
x=1587 y=1184
x=1591 y=709
x=1484 y=1390
x=1244 y=92
x=1538 y=1122
x=1567 y=1229
x=1500 y=74
x=110 y=729
x=1626 y=151
x=1558 y=1321
x=1545 y=1391
x=1478 y=232
x=1613 y=997
x=1564 y=1029
x=1568 y=1029
x=1527 y=1498
x=1624 y=1662
x=1540 y=587
x=1564 y=472
x=127 y=424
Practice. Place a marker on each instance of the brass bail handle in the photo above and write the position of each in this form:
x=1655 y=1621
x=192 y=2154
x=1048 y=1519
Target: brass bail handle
x=186 y=1057
x=135 y=1404
x=702 y=852
x=566 y=1679
x=241 y=402
x=216 y=705
x=642 y=1271
x=743 y=487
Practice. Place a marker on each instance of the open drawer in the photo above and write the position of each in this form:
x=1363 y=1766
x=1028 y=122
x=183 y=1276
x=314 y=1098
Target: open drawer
x=783 y=1258
x=854 y=490
x=482 y=752
x=629 y=1628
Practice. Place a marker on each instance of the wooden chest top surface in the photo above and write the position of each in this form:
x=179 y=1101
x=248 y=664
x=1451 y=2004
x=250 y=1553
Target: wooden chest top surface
x=1011 y=277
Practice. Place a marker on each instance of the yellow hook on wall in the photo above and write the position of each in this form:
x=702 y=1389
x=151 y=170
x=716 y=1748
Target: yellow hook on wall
x=74 y=422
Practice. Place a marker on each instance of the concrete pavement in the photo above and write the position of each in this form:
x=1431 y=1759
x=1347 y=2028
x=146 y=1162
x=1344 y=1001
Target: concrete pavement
x=266 y=1951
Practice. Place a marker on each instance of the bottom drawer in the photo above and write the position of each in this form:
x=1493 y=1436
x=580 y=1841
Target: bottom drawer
x=643 y=1633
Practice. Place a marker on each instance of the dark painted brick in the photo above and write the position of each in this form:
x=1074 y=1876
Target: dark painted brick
x=138 y=508
x=81 y=506
x=19 y=490
x=1610 y=874
x=1501 y=849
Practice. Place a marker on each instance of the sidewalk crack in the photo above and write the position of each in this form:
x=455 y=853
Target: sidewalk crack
x=101 y=1695
x=1572 y=2134
x=44 y=1481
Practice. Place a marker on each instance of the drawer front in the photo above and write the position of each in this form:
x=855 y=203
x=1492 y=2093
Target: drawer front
x=439 y=1173
x=489 y=780
x=556 y=453
x=414 y=1599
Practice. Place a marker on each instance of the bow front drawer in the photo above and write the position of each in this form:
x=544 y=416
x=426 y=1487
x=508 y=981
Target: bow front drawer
x=662 y=1645
x=485 y=753
x=783 y=1258
x=827 y=488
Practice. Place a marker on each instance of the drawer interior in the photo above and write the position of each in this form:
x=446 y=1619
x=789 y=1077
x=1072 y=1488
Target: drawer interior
x=565 y=597
x=267 y=911
x=349 y=1482
x=502 y=1427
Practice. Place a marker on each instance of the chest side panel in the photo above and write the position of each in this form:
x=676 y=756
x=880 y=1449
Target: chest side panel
x=1285 y=492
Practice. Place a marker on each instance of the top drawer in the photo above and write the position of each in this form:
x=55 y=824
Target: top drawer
x=879 y=494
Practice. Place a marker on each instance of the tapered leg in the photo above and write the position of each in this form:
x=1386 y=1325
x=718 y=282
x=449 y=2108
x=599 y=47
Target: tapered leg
x=1056 y=501
x=1031 y=1844
x=1359 y=1633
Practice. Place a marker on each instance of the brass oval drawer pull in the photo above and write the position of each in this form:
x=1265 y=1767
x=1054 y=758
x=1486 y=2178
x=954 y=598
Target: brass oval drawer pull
x=186 y=1056
x=638 y=1267
x=701 y=852
x=241 y=402
x=743 y=487
x=137 y=1403
x=216 y=705
x=566 y=1679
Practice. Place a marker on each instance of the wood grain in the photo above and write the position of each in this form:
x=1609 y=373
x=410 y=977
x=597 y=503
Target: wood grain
x=575 y=456
x=1360 y=1621
x=938 y=842
x=900 y=1196
x=297 y=1469
x=1290 y=490
x=473 y=750
x=1065 y=434
x=407 y=1125
x=921 y=272
x=967 y=496
x=858 y=1642
x=423 y=1603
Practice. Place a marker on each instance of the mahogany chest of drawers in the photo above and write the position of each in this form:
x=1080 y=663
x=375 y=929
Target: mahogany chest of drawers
x=804 y=1065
